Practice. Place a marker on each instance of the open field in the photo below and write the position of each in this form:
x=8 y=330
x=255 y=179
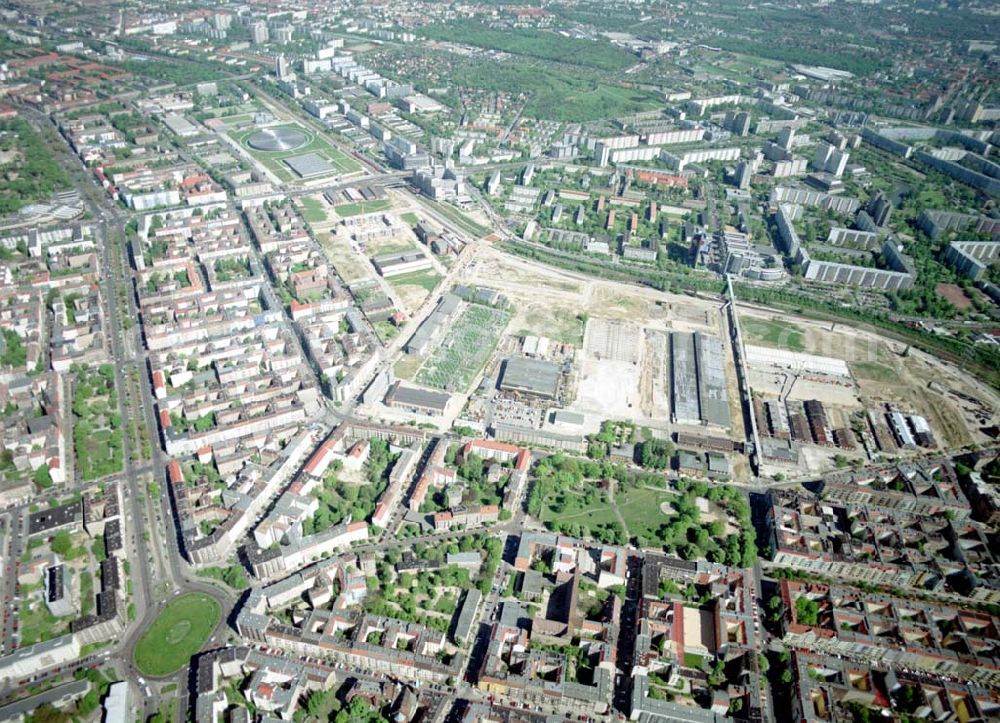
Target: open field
x=620 y=304
x=345 y=210
x=313 y=210
x=415 y=287
x=349 y=265
x=274 y=161
x=505 y=271
x=560 y=322
x=459 y=359
x=386 y=246
x=427 y=280
x=772 y=333
x=178 y=633
x=534 y=43
x=407 y=367
x=873 y=371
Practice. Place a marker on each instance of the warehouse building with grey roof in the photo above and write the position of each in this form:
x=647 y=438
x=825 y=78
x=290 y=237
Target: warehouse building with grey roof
x=530 y=377
x=698 y=380
x=416 y=400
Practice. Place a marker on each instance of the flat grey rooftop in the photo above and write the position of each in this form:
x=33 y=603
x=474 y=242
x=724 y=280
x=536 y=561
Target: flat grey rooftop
x=309 y=165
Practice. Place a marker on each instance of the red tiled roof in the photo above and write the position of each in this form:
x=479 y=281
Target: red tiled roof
x=174 y=473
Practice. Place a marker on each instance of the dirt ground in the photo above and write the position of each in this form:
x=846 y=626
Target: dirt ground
x=955 y=295
x=559 y=321
x=411 y=295
x=348 y=264
x=840 y=395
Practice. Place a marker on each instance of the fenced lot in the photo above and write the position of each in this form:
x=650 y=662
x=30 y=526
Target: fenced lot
x=456 y=362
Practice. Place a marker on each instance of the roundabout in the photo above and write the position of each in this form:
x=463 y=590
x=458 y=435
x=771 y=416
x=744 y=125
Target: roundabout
x=178 y=632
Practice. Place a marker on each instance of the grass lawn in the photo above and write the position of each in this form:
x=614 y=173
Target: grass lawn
x=693 y=660
x=424 y=279
x=86 y=592
x=410 y=218
x=178 y=633
x=407 y=367
x=773 y=333
x=640 y=508
x=38 y=624
x=392 y=247
x=570 y=507
x=312 y=210
x=356 y=209
x=873 y=371
x=232 y=120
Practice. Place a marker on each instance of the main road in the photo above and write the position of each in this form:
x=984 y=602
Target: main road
x=156 y=566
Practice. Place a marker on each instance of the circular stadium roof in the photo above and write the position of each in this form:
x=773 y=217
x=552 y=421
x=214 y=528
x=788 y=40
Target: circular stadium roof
x=277 y=139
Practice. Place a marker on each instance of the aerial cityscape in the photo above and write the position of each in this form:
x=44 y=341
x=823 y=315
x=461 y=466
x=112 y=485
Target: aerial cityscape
x=510 y=362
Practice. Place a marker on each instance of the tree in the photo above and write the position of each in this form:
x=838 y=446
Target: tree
x=359 y=711
x=61 y=543
x=12 y=351
x=806 y=610
x=99 y=549
x=717 y=676
x=43 y=479
x=319 y=703
x=47 y=713
x=654 y=453
x=89 y=703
